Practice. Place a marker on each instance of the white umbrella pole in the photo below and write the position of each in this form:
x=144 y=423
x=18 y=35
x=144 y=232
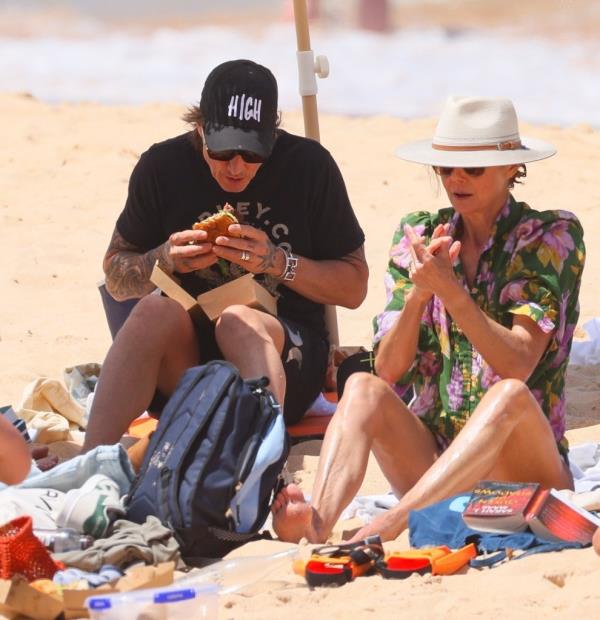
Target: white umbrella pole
x=308 y=69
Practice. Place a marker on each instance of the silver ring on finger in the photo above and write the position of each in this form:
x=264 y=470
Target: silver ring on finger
x=245 y=255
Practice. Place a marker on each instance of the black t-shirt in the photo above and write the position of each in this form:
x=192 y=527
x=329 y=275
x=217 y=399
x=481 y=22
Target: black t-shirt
x=298 y=197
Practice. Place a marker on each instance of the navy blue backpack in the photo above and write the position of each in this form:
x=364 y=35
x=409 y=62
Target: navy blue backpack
x=213 y=463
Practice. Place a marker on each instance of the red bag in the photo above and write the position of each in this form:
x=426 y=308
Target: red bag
x=22 y=553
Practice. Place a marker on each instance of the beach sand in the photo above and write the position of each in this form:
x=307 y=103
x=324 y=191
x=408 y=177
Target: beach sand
x=64 y=172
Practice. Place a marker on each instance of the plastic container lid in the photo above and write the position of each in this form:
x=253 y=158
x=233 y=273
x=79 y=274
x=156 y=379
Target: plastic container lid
x=197 y=601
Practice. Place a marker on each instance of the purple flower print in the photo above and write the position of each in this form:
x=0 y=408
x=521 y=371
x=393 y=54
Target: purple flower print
x=557 y=416
x=477 y=363
x=513 y=291
x=558 y=243
x=564 y=333
x=425 y=400
x=523 y=234
x=385 y=320
x=562 y=316
x=564 y=346
x=488 y=376
x=429 y=364
x=400 y=253
x=455 y=388
x=567 y=215
x=390 y=286
x=438 y=314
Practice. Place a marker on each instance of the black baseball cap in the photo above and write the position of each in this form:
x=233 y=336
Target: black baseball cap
x=239 y=108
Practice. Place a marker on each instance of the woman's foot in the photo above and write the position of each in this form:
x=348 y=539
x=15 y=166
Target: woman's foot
x=596 y=541
x=293 y=516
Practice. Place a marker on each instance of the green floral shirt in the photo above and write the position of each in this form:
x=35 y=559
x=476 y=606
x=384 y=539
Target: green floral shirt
x=532 y=266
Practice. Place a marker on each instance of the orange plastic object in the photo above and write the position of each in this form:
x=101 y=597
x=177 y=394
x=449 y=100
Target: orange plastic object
x=142 y=426
x=21 y=553
x=330 y=396
x=335 y=565
x=312 y=426
x=436 y=560
x=454 y=561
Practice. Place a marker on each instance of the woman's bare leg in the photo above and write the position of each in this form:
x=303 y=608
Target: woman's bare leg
x=370 y=416
x=507 y=438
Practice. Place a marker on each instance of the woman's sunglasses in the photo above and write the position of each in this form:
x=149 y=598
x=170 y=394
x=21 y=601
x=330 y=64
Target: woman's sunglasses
x=446 y=172
x=248 y=156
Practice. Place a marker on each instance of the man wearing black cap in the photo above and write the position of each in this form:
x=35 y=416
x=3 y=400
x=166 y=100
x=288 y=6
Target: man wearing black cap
x=297 y=233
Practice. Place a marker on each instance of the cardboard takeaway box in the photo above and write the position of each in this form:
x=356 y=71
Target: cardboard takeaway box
x=244 y=290
x=19 y=600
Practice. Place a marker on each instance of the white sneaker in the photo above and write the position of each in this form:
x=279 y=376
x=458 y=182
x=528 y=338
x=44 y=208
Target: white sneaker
x=92 y=508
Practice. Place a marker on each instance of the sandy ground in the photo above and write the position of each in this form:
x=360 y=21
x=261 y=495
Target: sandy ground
x=64 y=172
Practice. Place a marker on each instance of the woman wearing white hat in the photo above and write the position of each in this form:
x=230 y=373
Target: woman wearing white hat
x=482 y=305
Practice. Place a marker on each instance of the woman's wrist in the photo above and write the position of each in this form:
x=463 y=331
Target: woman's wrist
x=455 y=297
x=419 y=296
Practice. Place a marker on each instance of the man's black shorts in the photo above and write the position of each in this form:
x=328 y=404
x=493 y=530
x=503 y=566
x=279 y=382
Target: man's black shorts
x=304 y=358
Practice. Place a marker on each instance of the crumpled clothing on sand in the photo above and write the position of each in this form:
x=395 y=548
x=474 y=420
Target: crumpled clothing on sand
x=130 y=543
x=49 y=409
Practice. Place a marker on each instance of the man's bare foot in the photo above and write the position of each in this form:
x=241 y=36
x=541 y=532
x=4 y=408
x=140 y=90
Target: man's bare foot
x=293 y=516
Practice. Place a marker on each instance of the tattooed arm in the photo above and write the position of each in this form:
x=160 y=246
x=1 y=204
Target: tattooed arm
x=128 y=269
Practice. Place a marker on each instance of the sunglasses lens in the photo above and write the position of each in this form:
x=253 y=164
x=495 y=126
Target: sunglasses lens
x=474 y=172
x=247 y=156
x=251 y=158
x=446 y=172
x=220 y=155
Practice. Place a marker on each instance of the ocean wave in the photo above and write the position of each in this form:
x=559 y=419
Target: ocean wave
x=407 y=73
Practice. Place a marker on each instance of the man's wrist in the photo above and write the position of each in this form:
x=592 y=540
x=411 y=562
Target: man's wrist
x=164 y=260
x=288 y=274
x=280 y=263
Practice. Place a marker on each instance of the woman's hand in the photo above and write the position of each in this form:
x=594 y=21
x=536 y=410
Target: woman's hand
x=431 y=269
x=252 y=249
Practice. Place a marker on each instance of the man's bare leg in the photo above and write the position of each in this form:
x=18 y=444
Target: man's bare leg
x=370 y=416
x=152 y=350
x=253 y=341
x=507 y=438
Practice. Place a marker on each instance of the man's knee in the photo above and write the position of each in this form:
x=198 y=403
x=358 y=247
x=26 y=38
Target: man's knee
x=156 y=316
x=238 y=323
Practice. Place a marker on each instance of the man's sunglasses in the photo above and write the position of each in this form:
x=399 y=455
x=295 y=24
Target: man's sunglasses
x=446 y=172
x=248 y=156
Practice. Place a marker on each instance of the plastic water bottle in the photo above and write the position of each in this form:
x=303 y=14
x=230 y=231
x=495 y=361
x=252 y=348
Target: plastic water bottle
x=234 y=574
x=63 y=539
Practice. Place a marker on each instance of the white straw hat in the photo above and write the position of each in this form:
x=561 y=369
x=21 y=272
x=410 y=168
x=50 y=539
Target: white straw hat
x=476 y=132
